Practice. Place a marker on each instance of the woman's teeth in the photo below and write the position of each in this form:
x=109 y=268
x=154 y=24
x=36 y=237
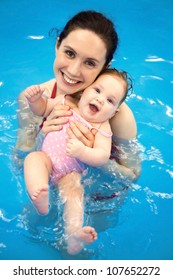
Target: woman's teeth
x=69 y=80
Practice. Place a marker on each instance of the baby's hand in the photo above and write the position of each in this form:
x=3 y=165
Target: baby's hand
x=75 y=148
x=33 y=93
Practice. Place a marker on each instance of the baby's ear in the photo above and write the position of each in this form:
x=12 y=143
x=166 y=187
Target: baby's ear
x=117 y=110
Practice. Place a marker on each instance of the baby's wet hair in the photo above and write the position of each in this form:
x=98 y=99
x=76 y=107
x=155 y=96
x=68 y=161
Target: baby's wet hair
x=125 y=76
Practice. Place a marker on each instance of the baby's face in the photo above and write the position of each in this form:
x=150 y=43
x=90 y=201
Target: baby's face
x=100 y=101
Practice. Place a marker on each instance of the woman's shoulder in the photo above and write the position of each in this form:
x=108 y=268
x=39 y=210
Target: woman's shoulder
x=48 y=85
x=123 y=124
x=125 y=111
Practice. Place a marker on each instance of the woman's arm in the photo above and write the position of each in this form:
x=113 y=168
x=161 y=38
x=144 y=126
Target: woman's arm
x=124 y=130
x=28 y=123
x=123 y=124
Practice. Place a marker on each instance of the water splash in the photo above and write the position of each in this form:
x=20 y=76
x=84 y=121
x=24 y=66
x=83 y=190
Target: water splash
x=4 y=218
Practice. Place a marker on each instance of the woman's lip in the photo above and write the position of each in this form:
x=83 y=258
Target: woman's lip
x=68 y=81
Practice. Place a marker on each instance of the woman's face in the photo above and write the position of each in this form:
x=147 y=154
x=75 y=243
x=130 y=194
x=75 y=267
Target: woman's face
x=79 y=59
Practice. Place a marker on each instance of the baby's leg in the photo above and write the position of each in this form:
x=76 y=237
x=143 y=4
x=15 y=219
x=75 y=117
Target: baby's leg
x=72 y=194
x=37 y=168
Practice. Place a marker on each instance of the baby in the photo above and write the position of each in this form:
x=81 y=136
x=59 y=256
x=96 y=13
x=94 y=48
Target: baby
x=62 y=159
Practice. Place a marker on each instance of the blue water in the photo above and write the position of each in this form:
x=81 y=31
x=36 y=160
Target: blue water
x=140 y=225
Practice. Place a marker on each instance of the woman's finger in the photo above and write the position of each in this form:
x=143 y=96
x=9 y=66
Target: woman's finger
x=59 y=111
x=53 y=124
x=70 y=133
x=56 y=121
x=51 y=128
x=89 y=133
x=82 y=133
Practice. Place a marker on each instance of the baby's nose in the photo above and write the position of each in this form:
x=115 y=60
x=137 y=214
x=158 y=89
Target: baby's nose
x=100 y=100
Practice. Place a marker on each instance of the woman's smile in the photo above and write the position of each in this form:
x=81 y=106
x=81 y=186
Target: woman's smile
x=68 y=80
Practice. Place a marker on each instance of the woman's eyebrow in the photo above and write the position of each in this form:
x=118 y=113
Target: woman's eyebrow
x=70 y=48
x=93 y=59
x=90 y=58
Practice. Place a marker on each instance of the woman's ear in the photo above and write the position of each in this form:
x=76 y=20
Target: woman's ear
x=57 y=44
x=108 y=65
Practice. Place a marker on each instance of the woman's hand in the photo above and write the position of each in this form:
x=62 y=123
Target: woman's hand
x=54 y=121
x=81 y=132
x=76 y=130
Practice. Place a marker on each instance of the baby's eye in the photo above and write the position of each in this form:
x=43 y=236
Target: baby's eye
x=110 y=100
x=97 y=90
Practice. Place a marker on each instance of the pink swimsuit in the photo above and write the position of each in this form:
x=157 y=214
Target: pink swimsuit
x=55 y=146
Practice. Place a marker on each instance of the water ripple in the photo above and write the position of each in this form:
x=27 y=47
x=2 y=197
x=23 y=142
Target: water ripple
x=2 y=245
x=169 y=111
x=170 y=172
x=35 y=37
x=158 y=194
x=152 y=77
x=150 y=195
x=157 y=59
x=153 y=154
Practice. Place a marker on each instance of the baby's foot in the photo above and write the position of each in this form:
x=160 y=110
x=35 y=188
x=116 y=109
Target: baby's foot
x=40 y=200
x=77 y=241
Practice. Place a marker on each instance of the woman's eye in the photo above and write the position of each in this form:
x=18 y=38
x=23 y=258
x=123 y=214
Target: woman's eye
x=90 y=63
x=69 y=53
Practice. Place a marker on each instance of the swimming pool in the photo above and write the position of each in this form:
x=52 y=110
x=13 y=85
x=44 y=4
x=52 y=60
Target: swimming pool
x=142 y=227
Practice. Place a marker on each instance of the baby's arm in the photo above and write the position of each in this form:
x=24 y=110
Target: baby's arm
x=35 y=99
x=96 y=156
x=40 y=105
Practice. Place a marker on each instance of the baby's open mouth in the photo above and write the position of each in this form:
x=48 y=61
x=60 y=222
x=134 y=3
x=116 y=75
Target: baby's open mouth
x=93 y=108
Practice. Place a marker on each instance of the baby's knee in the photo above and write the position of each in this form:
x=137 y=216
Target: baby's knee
x=30 y=157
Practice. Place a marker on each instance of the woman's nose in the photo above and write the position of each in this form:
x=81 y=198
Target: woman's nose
x=74 y=68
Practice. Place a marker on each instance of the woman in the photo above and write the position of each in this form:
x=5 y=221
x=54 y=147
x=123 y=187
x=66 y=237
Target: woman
x=83 y=49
